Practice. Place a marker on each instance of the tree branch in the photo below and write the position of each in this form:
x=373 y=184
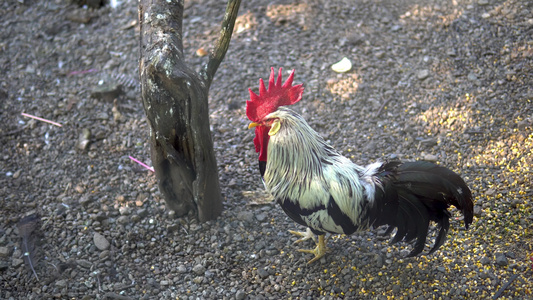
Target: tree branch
x=222 y=44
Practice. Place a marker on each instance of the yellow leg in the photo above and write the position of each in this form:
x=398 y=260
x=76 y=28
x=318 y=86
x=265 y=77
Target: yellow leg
x=304 y=235
x=319 y=251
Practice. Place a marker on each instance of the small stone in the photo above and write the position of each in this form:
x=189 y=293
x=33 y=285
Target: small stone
x=124 y=210
x=85 y=200
x=477 y=211
x=515 y=203
x=378 y=260
x=198 y=269
x=100 y=241
x=430 y=157
x=84 y=263
x=485 y=260
x=61 y=283
x=182 y=269
x=483 y=2
x=123 y=220
x=422 y=74
x=501 y=260
x=396 y=288
x=451 y=53
x=246 y=216
x=522 y=125
x=441 y=269
x=17 y=174
x=84 y=139
x=102 y=116
x=4 y=251
x=262 y=273
x=107 y=92
x=142 y=212
x=104 y=254
x=198 y=279
x=490 y=192
x=379 y=54
x=240 y=295
x=396 y=28
x=173 y=227
x=472 y=76
x=430 y=142
x=261 y=217
x=17 y=262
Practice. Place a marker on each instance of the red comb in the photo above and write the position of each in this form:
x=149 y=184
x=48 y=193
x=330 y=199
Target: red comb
x=275 y=96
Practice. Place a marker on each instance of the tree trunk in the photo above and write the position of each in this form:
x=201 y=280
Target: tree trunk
x=175 y=100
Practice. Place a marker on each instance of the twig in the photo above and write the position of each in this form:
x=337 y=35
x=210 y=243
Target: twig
x=382 y=106
x=82 y=72
x=41 y=119
x=506 y=285
x=142 y=164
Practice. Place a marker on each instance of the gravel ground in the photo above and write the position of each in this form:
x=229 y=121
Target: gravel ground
x=443 y=80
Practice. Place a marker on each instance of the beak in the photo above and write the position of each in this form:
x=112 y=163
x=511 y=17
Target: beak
x=252 y=125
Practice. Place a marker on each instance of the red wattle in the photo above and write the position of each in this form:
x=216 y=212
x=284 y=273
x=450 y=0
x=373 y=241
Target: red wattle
x=261 y=141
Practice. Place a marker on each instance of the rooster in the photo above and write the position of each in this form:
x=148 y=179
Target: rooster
x=319 y=188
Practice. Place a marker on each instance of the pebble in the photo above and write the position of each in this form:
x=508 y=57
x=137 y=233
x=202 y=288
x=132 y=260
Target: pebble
x=142 y=212
x=422 y=74
x=17 y=174
x=262 y=273
x=182 y=269
x=100 y=241
x=15 y=262
x=124 y=210
x=4 y=251
x=61 y=283
x=379 y=261
x=198 y=269
x=472 y=76
x=501 y=260
x=84 y=263
x=123 y=220
x=261 y=217
x=198 y=279
x=396 y=288
x=84 y=139
x=85 y=200
x=451 y=52
x=430 y=157
x=240 y=295
x=104 y=254
x=485 y=260
x=477 y=211
x=246 y=216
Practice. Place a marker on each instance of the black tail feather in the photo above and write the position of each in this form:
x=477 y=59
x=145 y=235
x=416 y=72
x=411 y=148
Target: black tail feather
x=416 y=193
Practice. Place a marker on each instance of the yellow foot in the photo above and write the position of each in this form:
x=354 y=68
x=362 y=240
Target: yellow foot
x=304 y=235
x=319 y=251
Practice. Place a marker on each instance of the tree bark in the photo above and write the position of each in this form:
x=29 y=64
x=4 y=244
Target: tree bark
x=175 y=100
